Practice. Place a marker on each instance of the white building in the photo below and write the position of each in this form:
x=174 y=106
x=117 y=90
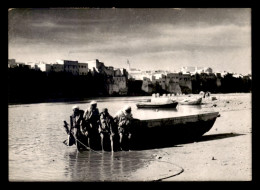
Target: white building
x=83 y=68
x=238 y=75
x=45 y=67
x=157 y=76
x=73 y=67
x=188 y=69
x=33 y=65
x=136 y=74
x=116 y=77
x=93 y=65
x=198 y=70
x=57 y=67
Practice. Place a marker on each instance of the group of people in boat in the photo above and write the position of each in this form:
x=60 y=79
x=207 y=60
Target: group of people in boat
x=94 y=129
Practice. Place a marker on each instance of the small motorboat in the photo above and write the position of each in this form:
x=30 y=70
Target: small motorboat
x=164 y=132
x=158 y=103
x=161 y=132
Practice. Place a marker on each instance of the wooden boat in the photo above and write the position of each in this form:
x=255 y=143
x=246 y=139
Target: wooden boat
x=156 y=133
x=167 y=132
x=157 y=105
x=191 y=101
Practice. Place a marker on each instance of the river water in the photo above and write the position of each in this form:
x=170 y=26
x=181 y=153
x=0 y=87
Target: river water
x=36 y=151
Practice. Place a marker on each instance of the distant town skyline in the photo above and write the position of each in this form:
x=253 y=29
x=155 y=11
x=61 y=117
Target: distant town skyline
x=150 y=39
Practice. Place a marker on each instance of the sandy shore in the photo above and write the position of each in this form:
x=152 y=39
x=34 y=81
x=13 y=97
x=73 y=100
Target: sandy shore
x=223 y=153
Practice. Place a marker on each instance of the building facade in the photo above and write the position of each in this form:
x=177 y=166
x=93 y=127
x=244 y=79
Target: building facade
x=170 y=82
x=194 y=70
x=147 y=85
x=116 y=79
x=57 y=67
x=73 y=67
x=44 y=67
x=185 y=83
x=173 y=83
x=83 y=68
x=12 y=64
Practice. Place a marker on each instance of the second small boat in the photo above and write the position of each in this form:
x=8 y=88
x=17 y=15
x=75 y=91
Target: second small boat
x=172 y=104
x=158 y=103
x=192 y=101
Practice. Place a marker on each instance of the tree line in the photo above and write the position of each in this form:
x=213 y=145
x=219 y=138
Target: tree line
x=29 y=86
x=227 y=84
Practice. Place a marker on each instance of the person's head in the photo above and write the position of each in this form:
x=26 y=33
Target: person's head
x=93 y=104
x=105 y=110
x=127 y=109
x=75 y=109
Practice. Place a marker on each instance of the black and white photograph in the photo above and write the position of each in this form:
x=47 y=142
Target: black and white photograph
x=129 y=94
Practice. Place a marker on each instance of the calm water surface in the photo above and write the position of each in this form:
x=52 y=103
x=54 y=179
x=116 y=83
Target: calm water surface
x=36 y=151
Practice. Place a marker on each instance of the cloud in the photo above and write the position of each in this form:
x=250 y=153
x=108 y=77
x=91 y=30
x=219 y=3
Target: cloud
x=145 y=35
x=170 y=39
x=205 y=34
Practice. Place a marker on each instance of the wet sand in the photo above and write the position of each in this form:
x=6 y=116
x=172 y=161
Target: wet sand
x=222 y=154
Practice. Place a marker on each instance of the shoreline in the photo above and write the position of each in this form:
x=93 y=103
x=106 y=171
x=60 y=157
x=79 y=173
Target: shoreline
x=222 y=154
x=57 y=100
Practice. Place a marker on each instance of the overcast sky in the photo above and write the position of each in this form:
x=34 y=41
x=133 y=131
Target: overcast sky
x=149 y=38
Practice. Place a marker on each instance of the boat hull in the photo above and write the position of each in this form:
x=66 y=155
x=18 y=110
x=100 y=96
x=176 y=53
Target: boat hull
x=167 y=132
x=159 y=133
x=153 y=105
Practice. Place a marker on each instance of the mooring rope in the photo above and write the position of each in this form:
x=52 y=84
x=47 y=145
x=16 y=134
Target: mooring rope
x=155 y=180
x=160 y=179
x=181 y=171
x=70 y=132
x=84 y=144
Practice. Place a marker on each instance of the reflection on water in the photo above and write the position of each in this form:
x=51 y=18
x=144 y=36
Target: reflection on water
x=36 y=151
x=117 y=166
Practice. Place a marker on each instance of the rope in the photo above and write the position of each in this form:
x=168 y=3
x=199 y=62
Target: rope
x=162 y=178
x=181 y=170
x=159 y=179
x=86 y=145
x=69 y=132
